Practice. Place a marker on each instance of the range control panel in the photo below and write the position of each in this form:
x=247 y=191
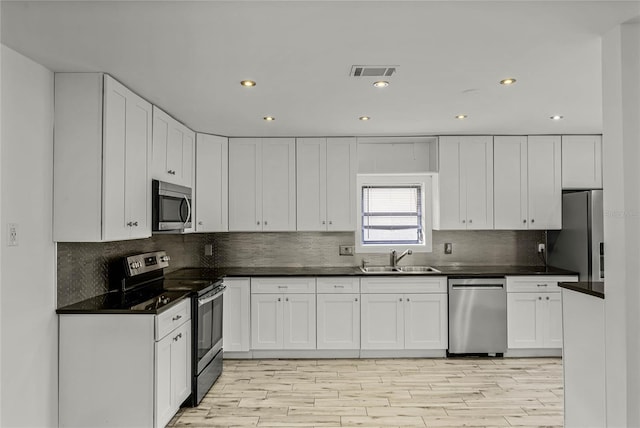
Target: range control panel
x=147 y=262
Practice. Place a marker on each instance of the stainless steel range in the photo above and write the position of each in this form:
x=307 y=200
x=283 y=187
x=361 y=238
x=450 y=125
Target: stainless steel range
x=207 y=293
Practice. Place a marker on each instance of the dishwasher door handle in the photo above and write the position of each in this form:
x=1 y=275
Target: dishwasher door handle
x=478 y=287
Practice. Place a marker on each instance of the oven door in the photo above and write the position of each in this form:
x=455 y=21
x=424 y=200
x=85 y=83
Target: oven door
x=209 y=327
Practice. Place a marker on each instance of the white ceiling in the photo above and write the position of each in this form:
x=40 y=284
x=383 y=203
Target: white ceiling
x=188 y=57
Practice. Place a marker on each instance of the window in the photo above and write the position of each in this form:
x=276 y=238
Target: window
x=394 y=212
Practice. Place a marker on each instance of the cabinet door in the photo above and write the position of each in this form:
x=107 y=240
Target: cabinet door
x=341 y=166
x=582 y=162
x=188 y=157
x=338 y=321
x=161 y=126
x=311 y=184
x=279 y=184
x=237 y=304
x=545 y=182
x=299 y=325
x=266 y=321
x=212 y=189
x=476 y=170
x=510 y=182
x=426 y=321
x=245 y=184
x=451 y=201
x=524 y=321
x=163 y=393
x=382 y=321
x=126 y=150
x=553 y=320
x=180 y=365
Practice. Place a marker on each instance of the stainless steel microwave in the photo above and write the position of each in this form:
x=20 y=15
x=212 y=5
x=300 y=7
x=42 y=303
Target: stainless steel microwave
x=171 y=207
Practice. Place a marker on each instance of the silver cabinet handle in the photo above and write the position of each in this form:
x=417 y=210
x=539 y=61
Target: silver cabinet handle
x=542 y=285
x=176 y=318
x=135 y=223
x=338 y=286
x=175 y=339
x=171 y=172
x=283 y=286
x=130 y=224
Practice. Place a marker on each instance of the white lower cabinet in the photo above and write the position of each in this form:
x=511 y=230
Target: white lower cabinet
x=404 y=313
x=283 y=313
x=338 y=313
x=534 y=312
x=236 y=315
x=124 y=370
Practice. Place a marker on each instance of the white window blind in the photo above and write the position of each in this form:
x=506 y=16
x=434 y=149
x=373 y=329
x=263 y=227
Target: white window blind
x=392 y=214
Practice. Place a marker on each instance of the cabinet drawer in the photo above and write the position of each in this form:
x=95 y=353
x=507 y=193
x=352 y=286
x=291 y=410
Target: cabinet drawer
x=417 y=284
x=528 y=284
x=302 y=285
x=172 y=318
x=337 y=284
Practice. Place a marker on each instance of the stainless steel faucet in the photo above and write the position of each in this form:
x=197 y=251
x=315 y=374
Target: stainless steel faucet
x=395 y=258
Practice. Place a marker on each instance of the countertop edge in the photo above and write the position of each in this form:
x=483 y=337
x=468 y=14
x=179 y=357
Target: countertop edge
x=582 y=287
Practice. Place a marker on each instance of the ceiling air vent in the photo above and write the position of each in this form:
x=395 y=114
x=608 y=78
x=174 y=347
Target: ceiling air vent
x=373 y=70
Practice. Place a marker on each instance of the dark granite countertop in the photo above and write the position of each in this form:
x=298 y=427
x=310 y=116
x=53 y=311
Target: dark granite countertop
x=476 y=271
x=112 y=303
x=592 y=288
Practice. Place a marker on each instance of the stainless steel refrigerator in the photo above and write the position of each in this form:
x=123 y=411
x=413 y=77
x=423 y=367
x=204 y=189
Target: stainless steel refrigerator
x=579 y=245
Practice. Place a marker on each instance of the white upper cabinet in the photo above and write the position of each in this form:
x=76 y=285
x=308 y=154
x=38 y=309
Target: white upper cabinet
x=326 y=172
x=262 y=187
x=545 y=182
x=102 y=147
x=173 y=153
x=527 y=182
x=465 y=183
x=212 y=184
x=581 y=162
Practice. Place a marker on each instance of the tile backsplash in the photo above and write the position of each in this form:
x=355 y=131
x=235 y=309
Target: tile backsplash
x=83 y=268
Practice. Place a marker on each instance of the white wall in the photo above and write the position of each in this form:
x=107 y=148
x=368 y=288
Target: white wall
x=621 y=180
x=28 y=323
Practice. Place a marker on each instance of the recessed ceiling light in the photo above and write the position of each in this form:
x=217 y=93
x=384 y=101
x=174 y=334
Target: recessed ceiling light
x=364 y=118
x=248 y=83
x=556 y=117
x=269 y=118
x=507 y=82
x=381 y=84
x=461 y=116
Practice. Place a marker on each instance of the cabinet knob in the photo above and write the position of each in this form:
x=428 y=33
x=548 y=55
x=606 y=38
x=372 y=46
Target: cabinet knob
x=130 y=224
x=464 y=221
x=330 y=222
x=279 y=299
x=171 y=172
x=470 y=221
x=524 y=221
x=407 y=299
x=135 y=223
x=539 y=298
x=547 y=297
x=286 y=300
x=265 y=222
x=200 y=223
x=532 y=221
x=324 y=222
x=258 y=223
x=356 y=299
x=400 y=299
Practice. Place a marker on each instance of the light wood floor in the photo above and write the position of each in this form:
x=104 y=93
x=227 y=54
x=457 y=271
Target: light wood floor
x=383 y=393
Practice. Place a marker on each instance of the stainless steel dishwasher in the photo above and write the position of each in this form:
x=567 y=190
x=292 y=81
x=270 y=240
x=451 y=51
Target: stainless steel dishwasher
x=477 y=316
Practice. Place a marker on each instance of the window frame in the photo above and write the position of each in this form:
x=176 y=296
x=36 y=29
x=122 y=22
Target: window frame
x=425 y=181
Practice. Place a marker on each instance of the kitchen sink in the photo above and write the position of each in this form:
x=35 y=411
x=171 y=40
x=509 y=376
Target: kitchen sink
x=399 y=269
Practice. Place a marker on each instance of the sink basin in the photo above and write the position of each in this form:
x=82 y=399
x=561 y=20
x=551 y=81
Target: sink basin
x=419 y=269
x=399 y=269
x=379 y=269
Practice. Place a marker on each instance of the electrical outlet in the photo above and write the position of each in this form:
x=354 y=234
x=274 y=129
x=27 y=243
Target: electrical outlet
x=208 y=250
x=448 y=248
x=346 y=250
x=541 y=248
x=12 y=235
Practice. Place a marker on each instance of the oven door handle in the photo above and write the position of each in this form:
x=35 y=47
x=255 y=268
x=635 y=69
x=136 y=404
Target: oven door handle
x=205 y=300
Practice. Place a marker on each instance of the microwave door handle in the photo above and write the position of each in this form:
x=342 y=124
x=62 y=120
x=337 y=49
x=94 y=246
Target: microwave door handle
x=186 y=220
